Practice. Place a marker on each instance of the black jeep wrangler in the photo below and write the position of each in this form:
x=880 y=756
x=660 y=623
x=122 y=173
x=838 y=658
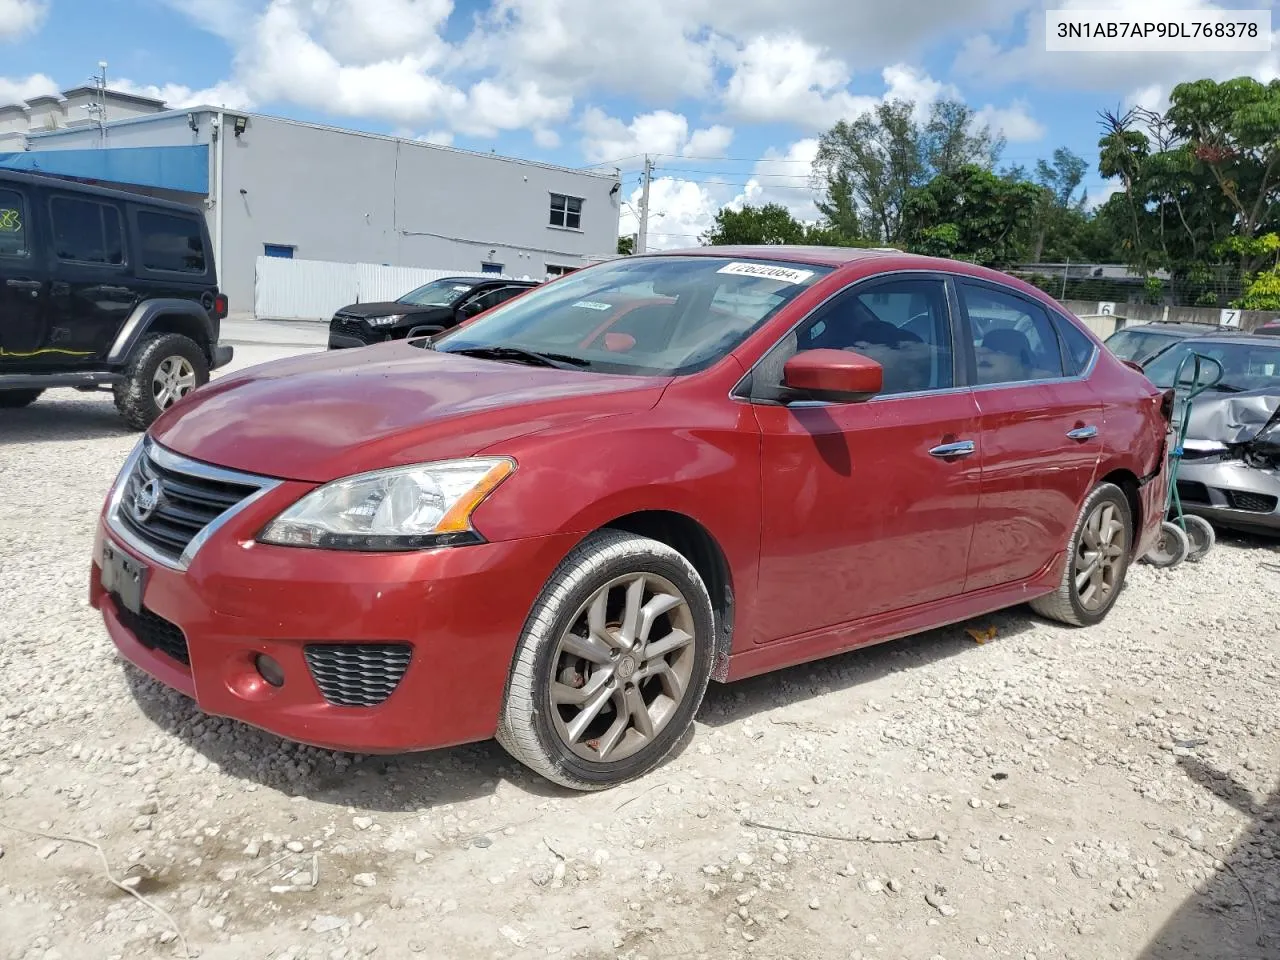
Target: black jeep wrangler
x=101 y=288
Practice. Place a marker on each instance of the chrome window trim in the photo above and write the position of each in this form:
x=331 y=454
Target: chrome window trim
x=736 y=395
x=177 y=463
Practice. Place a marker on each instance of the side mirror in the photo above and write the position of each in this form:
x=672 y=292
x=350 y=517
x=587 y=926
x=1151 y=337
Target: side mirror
x=840 y=376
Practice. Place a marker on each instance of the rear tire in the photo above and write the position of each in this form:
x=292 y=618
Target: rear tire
x=1171 y=549
x=1200 y=535
x=14 y=399
x=613 y=663
x=164 y=368
x=1097 y=561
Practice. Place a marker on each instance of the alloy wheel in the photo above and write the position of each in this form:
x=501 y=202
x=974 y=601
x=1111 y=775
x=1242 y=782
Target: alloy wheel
x=1099 y=561
x=174 y=378
x=622 y=668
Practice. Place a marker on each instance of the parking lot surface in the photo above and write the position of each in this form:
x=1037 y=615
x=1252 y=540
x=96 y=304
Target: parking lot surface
x=1046 y=793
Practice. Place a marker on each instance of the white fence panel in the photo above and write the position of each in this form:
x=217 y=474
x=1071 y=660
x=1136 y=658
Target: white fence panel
x=302 y=289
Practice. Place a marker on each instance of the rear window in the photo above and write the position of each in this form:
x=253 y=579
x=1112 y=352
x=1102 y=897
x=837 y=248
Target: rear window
x=171 y=244
x=1138 y=345
x=1079 y=347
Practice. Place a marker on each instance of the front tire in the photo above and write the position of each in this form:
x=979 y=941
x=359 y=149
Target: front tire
x=164 y=368
x=1097 y=561
x=613 y=663
x=14 y=399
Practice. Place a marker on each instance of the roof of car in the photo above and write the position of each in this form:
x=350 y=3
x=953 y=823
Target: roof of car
x=1258 y=339
x=1189 y=327
x=75 y=186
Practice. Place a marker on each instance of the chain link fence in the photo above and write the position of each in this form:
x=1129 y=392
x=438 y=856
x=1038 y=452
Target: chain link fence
x=1215 y=288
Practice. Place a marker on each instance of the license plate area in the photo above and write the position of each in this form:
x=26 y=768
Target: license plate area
x=123 y=577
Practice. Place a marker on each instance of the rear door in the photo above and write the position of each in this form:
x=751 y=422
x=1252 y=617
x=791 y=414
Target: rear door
x=91 y=290
x=24 y=288
x=1041 y=429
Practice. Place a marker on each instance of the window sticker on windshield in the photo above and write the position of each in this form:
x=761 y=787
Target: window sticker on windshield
x=765 y=271
x=593 y=305
x=461 y=289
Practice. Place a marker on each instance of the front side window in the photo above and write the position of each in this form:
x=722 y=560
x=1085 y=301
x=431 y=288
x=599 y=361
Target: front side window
x=661 y=316
x=171 y=244
x=904 y=325
x=566 y=211
x=13 y=224
x=85 y=231
x=1013 y=339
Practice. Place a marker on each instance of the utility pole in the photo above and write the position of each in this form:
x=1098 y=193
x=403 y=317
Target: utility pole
x=642 y=238
x=98 y=108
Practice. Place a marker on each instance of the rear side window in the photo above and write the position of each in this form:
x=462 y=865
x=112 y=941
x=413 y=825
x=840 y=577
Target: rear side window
x=1079 y=348
x=85 y=231
x=13 y=224
x=171 y=244
x=1013 y=339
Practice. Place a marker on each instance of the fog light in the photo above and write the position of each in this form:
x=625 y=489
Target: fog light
x=271 y=671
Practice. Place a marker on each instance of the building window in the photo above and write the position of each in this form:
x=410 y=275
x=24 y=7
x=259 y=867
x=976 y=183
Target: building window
x=282 y=250
x=13 y=230
x=86 y=232
x=171 y=244
x=558 y=269
x=491 y=268
x=566 y=211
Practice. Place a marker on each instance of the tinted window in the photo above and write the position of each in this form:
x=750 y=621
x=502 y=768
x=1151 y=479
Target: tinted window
x=903 y=325
x=174 y=244
x=437 y=293
x=1245 y=365
x=566 y=211
x=696 y=309
x=86 y=231
x=1138 y=345
x=1013 y=340
x=13 y=224
x=1079 y=347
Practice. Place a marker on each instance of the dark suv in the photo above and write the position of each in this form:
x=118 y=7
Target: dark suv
x=101 y=288
x=431 y=308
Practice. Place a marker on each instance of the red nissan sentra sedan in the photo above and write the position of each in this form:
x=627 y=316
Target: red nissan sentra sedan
x=557 y=522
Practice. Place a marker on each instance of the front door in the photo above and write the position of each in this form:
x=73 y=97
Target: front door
x=1041 y=426
x=23 y=289
x=868 y=507
x=91 y=291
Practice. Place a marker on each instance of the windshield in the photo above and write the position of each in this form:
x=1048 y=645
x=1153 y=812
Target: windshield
x=437 y=293
x=1245 y=366
x=1137 y=345
x=659 y=316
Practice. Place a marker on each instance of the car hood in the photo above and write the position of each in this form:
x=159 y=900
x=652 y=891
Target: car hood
x=326 y=415
x=1233 y=418
x=387 y=308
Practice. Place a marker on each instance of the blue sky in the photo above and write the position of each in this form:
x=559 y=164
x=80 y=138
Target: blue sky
x=728 y=94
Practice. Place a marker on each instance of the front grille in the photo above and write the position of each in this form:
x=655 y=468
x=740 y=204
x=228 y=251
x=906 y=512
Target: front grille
x=350 y=326
x=1253 y=502
x=357 y=674
x=1191 y=492
x=156 y=633
x=187 y=504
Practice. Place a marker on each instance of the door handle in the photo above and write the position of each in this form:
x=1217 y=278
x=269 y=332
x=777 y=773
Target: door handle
x=1083 y=433
x=960 y=448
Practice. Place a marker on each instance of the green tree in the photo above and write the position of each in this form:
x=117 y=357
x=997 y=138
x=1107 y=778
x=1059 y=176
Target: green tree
x=972 y=214
x=627 y=245
x=771 y=223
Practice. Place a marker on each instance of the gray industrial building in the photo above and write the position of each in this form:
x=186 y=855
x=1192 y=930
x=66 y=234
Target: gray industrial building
x=277 y=187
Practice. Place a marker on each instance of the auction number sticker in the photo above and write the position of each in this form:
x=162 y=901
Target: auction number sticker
x=767 y=272
x=593 y=305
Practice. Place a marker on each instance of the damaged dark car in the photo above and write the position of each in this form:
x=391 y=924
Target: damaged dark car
x=430 y=309
x=1230 y=472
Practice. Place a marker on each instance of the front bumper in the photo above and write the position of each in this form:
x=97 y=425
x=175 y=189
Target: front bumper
x=1231 y=493
x=222 y=355
x=461 y=610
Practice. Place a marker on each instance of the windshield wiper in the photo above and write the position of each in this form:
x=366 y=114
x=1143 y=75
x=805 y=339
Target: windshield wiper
x=560 y=361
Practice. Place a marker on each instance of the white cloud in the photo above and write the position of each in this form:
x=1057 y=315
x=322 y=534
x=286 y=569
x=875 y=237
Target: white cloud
x=786 y=79
x=226 y=18
x=24 y=88
x=1110 y=188
x=607 y=138
x=783 y=178
x=1014 y=121
x=20 y=17
x=491 y=107
x=545 y=138
x=680 y=212
x=178 y=96
x=369 y=31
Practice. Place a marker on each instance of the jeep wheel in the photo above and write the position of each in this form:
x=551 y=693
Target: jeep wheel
x=12 y=399
x=164 y=368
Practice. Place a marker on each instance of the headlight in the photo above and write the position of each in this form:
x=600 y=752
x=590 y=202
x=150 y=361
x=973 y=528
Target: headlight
x=404 y=508
x=384 y=321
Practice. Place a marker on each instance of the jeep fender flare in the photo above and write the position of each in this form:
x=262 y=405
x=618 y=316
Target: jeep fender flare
x=144 y=317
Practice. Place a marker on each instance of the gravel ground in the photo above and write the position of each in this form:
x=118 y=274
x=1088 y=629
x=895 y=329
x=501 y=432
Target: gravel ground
x=1049 y=793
